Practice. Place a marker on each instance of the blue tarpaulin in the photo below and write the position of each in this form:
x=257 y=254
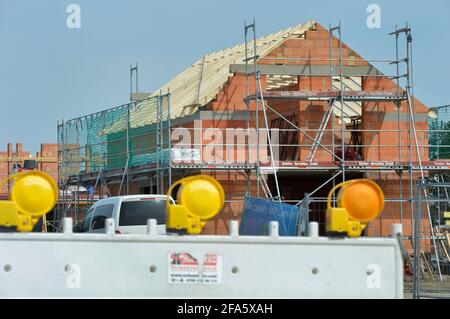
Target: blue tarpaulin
x=258 y=213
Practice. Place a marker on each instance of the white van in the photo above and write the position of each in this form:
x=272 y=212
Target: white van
x=129 y=212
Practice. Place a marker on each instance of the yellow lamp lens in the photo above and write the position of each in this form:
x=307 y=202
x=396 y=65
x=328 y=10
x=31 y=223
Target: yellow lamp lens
x=202 y=195
x=34 y=193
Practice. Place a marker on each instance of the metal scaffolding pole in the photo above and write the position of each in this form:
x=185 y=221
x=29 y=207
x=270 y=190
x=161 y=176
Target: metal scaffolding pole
x=341 y=96
x=159 y=189
x=331 y=89
x=127 y=185
x=416 y=241
x=133 y=70
x=332 y=106
x=169 y=136
x=341 y=79
x=247 y=104
x=400 y=173
x=269 y=137
x=412 y=131
x=253 y=58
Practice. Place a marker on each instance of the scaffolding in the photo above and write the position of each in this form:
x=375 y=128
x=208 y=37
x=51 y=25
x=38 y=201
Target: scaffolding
x=431 y=239
x=119 y=147
x=109 y=149
x=338 y=99
x=436 y=244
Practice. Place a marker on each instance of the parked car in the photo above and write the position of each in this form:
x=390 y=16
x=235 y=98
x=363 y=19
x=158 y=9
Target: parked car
x=129 y=212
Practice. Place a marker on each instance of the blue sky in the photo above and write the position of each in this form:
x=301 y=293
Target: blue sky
x=49 y=72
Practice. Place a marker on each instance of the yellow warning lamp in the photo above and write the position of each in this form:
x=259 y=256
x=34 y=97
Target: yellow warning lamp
x=359 y=202
x=32 y=196
x=199 y=199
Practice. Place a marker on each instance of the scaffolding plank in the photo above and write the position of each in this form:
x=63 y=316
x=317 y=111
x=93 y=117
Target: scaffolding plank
x=327 y=95
x=299 y=166
x=308 y=69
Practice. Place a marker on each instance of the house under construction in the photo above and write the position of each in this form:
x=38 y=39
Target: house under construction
x=337 y=117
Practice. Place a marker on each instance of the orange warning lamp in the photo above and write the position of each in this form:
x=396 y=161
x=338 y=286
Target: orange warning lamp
x=359 y=202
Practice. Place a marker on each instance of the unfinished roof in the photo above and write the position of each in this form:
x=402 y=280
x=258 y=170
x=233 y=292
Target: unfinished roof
x=199 y=84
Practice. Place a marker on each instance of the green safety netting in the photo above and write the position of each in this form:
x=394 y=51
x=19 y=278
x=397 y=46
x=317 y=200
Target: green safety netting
x=137 y=132
x=439 y=133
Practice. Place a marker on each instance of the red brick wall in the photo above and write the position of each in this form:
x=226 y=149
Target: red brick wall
x=314 y=50
x=47 y=162
x=49 y=151
x=231 y=97
x=382 y=117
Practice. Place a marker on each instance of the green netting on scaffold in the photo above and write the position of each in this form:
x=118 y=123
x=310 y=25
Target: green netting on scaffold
x=107 y=139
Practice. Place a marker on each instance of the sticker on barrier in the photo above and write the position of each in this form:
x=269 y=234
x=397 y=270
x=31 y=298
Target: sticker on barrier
x=190 y=268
